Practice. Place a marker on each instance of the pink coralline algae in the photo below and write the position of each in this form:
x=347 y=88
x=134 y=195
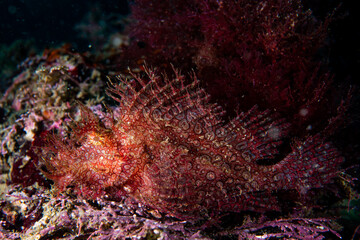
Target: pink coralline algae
x=167 y=147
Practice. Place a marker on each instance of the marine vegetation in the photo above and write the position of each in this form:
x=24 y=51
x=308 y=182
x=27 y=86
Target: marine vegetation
x=199 y=120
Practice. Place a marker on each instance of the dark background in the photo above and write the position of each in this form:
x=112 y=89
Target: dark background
x=51 y=23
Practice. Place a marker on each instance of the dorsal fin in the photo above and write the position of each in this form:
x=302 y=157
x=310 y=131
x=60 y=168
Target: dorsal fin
x=173 y=102
x=162 y=99
x=256 y=135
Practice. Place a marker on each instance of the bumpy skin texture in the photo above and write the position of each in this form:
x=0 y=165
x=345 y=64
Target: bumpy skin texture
x=170 y=149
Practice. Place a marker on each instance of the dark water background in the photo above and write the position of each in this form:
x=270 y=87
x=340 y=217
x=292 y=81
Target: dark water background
x=51 y=23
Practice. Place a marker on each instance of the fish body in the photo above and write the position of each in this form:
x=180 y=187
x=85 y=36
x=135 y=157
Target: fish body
x=170 y=149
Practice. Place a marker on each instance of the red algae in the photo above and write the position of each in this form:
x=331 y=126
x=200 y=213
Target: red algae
x=171 y=150
x=244 y=52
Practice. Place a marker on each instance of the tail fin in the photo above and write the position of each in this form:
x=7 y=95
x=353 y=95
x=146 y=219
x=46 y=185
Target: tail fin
x=312 y=164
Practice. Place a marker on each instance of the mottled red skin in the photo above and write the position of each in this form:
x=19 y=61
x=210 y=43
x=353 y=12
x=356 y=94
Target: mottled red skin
x=170 y=149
